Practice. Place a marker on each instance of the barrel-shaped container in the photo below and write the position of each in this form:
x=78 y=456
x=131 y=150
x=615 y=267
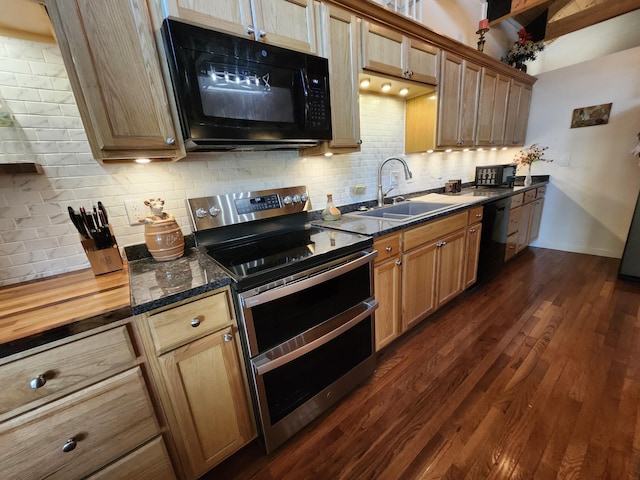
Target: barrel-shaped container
x=164 y=240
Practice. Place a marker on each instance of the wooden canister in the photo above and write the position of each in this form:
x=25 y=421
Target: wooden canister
x=164 y=240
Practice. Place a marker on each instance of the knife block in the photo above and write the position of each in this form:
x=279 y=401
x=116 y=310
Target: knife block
x=102 y=261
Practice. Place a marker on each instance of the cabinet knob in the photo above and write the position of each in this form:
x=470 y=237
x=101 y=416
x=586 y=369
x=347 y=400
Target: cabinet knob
x=170 y=141
x=250 y=30
x=228 y=337
x=360 y=142
x=38 y=382
x=399 y=262
x=388 y=249
x=69 y=445
x=473 y=230
x=195 y=322
x=478 y=215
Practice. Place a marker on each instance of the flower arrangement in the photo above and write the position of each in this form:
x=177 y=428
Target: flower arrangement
x=523 y=49
x=532 y=154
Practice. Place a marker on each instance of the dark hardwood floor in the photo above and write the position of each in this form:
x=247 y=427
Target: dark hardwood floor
x=532 y=375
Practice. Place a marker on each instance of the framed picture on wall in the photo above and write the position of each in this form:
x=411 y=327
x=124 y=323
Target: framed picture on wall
x=589 y=116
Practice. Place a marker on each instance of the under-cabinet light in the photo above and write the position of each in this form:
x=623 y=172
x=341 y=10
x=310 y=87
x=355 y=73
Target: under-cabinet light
x=328 y=154
x=365 y=82
x=465 y=149
x=448 y=150
x=143 y=160
x=403 y=91
x=480 y=149
x=429 y=151
x=386 y=87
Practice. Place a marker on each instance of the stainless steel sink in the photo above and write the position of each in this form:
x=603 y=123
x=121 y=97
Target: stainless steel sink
x=405 y=212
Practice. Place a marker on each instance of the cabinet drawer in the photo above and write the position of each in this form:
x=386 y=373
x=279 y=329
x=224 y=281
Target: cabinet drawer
x=512 y=246
x=434 y=229
x=514 y=220
x=74 y=364
x=516 y=200
x=530 y=196
x=105 y=420
x=179 y=325
x=149 y=461
x=387 y=247
x=540 y=191
x=475 y=215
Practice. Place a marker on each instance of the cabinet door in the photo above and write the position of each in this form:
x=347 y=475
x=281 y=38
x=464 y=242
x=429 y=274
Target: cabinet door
x=207 y=390
x=422 y=62
x=339 y=32
x=536 y=216
x=231 y=16
x=286 y=23
x=458 y=102
x=110 y=54
x=472 y=254
x=517 y=113
x=468 y=103
x=449 y=100
x=418 y=284
x=450 y=258
x=387 y=280
x=524 y=226
x=492 y=108
x=383 y=49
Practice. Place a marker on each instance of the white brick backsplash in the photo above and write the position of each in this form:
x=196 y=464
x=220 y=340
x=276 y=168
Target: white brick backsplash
x=33 y=81
x=37 y=238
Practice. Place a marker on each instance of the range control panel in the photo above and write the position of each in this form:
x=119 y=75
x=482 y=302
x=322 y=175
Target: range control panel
x=235 y=208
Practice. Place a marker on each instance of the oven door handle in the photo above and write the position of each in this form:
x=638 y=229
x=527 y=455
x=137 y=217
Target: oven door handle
x=262 y=368
x=307 y=282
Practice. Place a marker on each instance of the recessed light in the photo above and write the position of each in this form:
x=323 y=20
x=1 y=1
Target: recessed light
x=403 y=91
x=465 y=149
x=365 y=82
x=429 y=151
x=386 y=87
x=448 y=150
x=328 y=154
x=143 y=160
x=480 y=149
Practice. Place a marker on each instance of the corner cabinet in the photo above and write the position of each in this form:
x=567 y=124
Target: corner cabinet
x=196 y=361
x=110 y=54
x=80 y=408
x=285 y=23
x=457 y=101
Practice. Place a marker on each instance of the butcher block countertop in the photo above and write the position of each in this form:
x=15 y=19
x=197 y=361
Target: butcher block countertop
x=37 y=312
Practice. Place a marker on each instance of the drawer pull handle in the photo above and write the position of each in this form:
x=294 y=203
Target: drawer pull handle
x=69 y=445
x=388 y=249
x=228 y=337
x=38 y=382
x=473 y=230
x=478 y=215
x=195 y=322
x=399 y=263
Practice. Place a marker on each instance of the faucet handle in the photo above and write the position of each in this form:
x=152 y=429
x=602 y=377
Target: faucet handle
x=384 y=194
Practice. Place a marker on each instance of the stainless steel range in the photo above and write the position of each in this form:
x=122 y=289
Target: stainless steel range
x=303 y=299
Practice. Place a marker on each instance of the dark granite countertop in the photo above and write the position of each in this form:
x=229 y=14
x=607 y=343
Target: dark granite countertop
x=468 y=197
x=156 y=284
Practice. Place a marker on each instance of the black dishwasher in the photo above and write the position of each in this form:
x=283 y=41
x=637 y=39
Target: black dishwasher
x=493 y=243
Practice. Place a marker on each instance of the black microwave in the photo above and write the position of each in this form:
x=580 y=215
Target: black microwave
x=234 y=93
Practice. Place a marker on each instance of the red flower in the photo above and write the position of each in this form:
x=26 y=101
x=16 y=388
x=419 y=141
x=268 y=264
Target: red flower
x=523 y=36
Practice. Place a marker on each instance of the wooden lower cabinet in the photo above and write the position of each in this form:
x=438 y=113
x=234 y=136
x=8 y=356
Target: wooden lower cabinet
x=80 y=406
x=387 y=277
x=200 y=380
x=472 y=249
x=524 y=220
x=419 y=270
x=536 y=216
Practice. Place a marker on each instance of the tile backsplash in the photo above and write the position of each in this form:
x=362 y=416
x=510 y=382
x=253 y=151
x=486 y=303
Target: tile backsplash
x=37 y=238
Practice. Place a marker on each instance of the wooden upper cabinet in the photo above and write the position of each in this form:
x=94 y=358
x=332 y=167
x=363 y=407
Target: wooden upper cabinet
x=517 y=113
x=110 y=54
x=492 y=108
x=340 y=44
x=458 y=101
x=285 y=23
x=389 y=52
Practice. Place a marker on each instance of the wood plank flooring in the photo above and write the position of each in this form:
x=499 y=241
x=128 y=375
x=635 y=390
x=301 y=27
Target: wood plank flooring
x=534 y=374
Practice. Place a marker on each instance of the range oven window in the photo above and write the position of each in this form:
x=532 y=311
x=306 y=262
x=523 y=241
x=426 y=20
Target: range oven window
x=279 y=320
x=291 y=385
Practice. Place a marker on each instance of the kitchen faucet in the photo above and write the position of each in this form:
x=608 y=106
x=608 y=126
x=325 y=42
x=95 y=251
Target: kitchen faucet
x=407 y=176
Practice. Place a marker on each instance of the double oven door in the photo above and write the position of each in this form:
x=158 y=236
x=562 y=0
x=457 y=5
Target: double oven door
x=310 y=342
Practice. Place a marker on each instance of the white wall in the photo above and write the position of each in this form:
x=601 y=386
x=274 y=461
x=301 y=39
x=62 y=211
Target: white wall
x=36 y=236
x=594 y=178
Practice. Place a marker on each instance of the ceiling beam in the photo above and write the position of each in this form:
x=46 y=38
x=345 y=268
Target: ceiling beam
x=590 y=16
